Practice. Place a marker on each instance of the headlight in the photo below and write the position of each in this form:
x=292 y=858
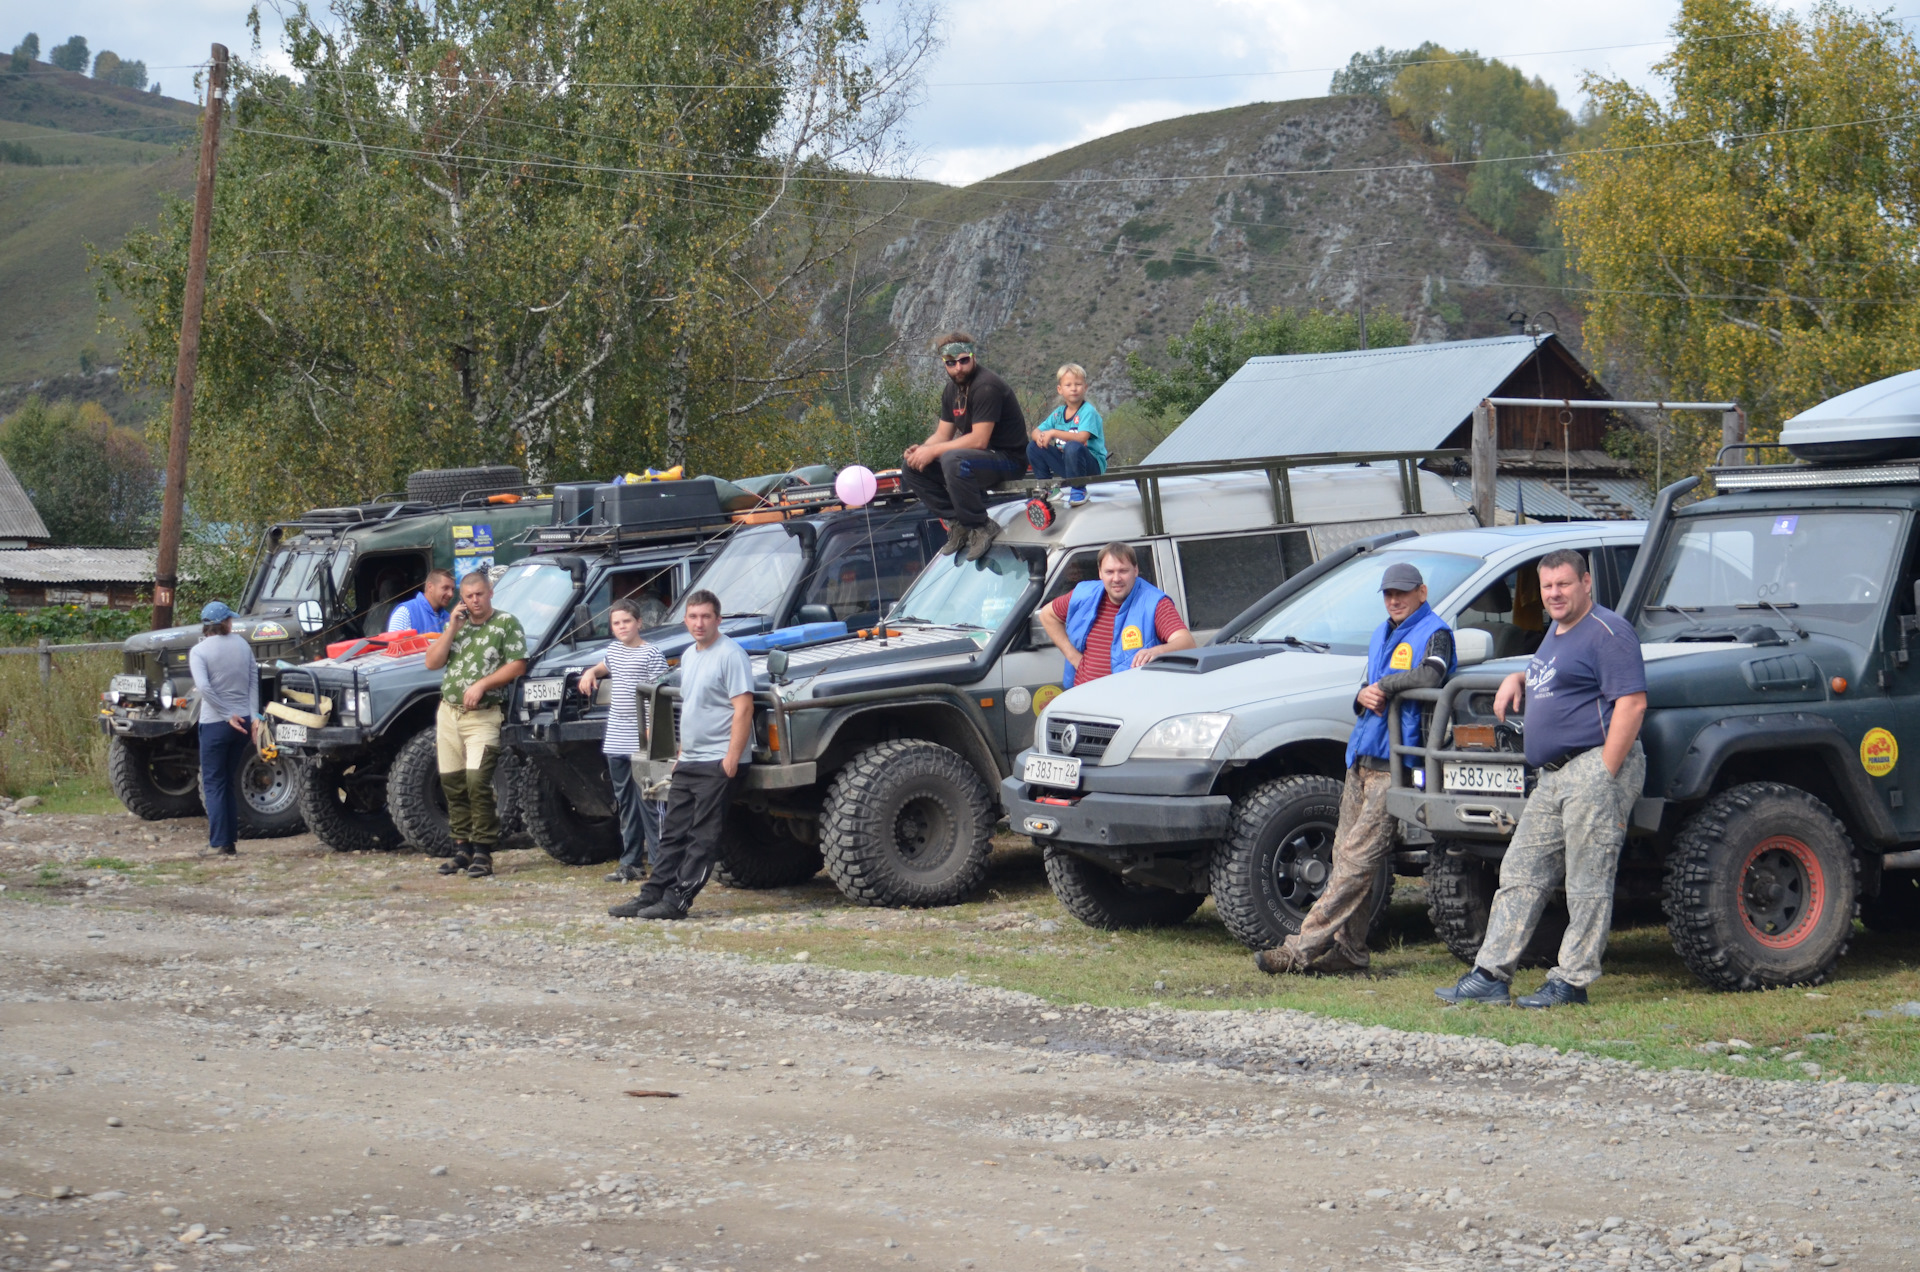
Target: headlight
x=166 y=694
x=363 y=704
x=1187 y=737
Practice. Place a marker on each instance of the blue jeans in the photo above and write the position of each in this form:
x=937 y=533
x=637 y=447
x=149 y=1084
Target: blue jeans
x=223 y=752
x=1074 y=459
x=639 y=817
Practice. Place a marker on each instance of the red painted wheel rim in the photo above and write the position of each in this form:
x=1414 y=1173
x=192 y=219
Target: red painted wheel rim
x=1783 y=892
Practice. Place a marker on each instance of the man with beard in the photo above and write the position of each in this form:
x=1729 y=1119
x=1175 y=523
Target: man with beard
x=981 y=440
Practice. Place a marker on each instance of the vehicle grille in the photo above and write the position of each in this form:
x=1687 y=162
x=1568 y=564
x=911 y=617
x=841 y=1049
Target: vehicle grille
x=1090 y=741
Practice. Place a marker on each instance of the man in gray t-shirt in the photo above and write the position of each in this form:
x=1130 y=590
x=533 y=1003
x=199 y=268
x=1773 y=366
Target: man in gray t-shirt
x=716 y=736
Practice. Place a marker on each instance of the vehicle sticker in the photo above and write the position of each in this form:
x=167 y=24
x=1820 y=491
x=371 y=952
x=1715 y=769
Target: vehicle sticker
x=1018 y=700
x=472 y=550
x=269 y=631
x=1402 y=657
x=1879 y=752
x=1786 y=525
x=1043 y=695
x=1130 y=637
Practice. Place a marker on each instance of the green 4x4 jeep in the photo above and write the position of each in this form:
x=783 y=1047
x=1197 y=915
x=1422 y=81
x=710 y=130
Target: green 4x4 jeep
x=1779 y=624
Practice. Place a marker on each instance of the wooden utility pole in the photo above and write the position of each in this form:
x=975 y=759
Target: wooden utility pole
x=1484 y=460
x=166 y=566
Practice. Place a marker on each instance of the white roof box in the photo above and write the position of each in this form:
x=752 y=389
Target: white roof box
x=1876 y=421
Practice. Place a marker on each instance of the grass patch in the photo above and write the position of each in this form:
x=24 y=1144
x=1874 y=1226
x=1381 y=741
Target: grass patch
x=50 y=744
x=107 y=863
x=1648 y=1007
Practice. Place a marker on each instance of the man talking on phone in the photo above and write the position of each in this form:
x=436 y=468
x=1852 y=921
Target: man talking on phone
x=484 y=650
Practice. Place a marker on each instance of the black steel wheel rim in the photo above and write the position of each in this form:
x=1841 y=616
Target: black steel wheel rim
x=1301 y=864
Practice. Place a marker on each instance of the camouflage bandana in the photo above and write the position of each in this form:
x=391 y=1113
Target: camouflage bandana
x=955 y=349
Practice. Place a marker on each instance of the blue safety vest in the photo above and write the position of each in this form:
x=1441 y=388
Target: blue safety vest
x=1394 y=649
x=1132 y=626
x=422 y=617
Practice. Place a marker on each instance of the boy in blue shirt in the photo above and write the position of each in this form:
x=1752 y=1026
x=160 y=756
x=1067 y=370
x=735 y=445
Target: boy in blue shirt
x=1071 y=441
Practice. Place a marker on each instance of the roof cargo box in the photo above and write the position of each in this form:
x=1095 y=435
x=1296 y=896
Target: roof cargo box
x=1876 y=421
x=573 y=502
x=658 y=503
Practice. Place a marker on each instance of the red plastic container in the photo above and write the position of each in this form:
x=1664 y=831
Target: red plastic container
x=392 y=644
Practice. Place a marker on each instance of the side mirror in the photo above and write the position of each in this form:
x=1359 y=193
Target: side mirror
x=815 y=614
x=1472 y=645
x=777 y=665
x=311 y=617
x=1037 y=637
x=580 y=624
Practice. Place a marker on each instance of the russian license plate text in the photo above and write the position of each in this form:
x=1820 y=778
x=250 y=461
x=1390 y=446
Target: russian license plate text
x=289 y=733
x=130 y=684
x=1052 y=770
x=1497 y=779
x=539 y=691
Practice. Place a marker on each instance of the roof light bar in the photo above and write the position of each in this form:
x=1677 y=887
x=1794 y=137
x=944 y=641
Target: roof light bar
x=1809 y=477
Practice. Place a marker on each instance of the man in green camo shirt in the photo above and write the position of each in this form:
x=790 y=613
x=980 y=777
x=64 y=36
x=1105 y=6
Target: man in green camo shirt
x=483 y=650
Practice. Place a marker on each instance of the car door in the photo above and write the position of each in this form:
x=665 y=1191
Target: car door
x=1221 y=575
x=1505 y=602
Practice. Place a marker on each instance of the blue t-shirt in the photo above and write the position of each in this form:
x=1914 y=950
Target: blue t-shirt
x=1088 y=421
x=710 y=679
x=1573 y=682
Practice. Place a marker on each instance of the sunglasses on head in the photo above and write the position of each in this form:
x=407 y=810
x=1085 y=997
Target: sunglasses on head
x=962 y=360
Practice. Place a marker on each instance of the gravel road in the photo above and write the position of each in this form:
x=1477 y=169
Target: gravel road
x=456 y=1074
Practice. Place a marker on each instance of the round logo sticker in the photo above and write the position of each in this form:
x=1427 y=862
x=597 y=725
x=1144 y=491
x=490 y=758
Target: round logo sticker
x=1402 y=657
x=1043 y=695
x=1130 y=638
x=1879 y=752
x=1018 y=700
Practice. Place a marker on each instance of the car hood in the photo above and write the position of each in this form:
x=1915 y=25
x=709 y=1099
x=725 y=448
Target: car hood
x=261 y=629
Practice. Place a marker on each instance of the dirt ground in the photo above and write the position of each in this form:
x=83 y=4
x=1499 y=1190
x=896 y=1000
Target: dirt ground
x=454 y=1062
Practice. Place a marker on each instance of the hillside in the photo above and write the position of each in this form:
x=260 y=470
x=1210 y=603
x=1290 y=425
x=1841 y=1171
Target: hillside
x=1118 y=246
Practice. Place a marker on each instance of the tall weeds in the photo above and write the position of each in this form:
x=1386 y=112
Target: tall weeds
x=48 y=732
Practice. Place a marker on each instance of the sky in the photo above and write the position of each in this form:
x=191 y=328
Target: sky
x=1018 y=79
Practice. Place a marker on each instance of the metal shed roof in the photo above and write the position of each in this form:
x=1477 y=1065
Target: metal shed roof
x=1547 y=500
x=76 y=565
x=19 y=519
x=1405 y=398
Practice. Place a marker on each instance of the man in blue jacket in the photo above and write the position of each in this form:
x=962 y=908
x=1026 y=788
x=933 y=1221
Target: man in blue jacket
x=1412 y=649
x=1113 y=623
x=426 y=610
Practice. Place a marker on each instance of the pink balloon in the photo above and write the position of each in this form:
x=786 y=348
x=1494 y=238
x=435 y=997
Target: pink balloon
x=855 y=485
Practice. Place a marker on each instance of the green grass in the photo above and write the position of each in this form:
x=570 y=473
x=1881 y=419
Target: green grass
x=50 y=743
x=57 y=146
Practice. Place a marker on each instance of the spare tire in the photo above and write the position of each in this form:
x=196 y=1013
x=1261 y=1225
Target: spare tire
x=447 y=485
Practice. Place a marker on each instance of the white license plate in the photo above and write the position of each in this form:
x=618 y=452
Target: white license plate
x=1052 y=770
x=539 y=691
x=130 y=684
x=1497 y=779
x=289 y=733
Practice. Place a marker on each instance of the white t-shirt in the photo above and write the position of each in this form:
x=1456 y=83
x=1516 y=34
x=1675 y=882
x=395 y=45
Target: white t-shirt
x=628 y=668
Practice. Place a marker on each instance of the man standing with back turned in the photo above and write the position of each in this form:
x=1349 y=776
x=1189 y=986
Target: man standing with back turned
x=1412 y=649
x=981 y=439
x=1585 y=694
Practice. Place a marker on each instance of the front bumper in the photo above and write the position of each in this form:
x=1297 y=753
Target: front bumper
x=1490 y=817
x=1132 y=804
x=121 y=724
x=331 y=740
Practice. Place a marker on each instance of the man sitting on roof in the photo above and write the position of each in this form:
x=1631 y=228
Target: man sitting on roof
x=1115 y=622
x=426 y=610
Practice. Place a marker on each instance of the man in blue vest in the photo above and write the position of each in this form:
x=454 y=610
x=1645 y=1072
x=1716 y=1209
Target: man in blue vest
x=1412 y=649
x=426 y=610
x=1113 y=623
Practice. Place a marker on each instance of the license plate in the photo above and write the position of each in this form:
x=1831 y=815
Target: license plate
x=289 y=733
x=1052 y=770
x=130 y=684
x=1500 y=779
x=539 y=691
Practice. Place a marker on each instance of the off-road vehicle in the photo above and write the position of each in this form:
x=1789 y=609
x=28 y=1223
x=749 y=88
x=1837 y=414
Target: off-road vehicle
x=364 y=721
x=1219 y=769
x=798 y=574
x=884 y=753
x=332 y=574
x=1777 y=620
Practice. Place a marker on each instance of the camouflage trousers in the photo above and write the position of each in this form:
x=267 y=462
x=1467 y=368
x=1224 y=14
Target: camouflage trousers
x=1338 y=919
x=1570 y=834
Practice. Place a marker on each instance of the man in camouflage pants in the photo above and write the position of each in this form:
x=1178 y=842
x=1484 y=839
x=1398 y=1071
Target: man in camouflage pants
x=1585 y=694
x=483 y=650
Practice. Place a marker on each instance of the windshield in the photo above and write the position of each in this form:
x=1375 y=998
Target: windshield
x=295 y=573
x=537 y=594
x=1341 y=609
x=752 y=573
x=975 y=594
x=1818 y=569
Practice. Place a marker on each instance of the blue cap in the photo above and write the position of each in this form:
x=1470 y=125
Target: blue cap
x=215 y=612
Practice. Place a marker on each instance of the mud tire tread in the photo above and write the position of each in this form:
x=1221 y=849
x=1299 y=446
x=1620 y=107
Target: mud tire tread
x=756 y=854
x=127 y=773
x=336 y=826
x=1101 y=899
x=561 y=832
x=413 y=796
x=859 y=852
x=1460 y=898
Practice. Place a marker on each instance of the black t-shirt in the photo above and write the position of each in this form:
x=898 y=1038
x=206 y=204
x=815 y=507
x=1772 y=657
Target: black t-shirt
x=986 y=397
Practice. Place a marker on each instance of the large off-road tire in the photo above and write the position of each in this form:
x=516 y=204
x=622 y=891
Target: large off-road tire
x=1460 y=888
x=1761 y=889
x=1897 y=908
x=415 y=802
x=270 y=798
x=1277 y=858
x=445 y=485
x=509 y=779
x=757 y=851
x=568 y=835
x=907 y=823
x=1100 y=898
x=156 y=782
x=345 y=806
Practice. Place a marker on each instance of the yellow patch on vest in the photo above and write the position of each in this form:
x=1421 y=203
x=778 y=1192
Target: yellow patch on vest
x=1402 y=659
x=1130 y=638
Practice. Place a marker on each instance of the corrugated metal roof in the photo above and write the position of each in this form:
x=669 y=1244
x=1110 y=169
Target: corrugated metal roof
x=76 y=565
x=19 y=519
x=1406 y=398
x=1547 y=500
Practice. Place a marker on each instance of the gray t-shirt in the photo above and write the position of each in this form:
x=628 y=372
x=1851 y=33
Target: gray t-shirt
x=1573 y=682
x=710 y=678
x=224 y=678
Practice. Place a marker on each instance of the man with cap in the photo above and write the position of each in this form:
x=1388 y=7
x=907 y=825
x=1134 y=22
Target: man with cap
x=981 y=440
x=228 y=687
x=1411 y=649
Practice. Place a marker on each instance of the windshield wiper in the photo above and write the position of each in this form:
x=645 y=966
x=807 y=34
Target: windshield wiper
x=1792 y=626
x=1681 y=610
x=1294 y=642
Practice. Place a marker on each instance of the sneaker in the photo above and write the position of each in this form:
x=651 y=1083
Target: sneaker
x=482 y=866
x=1076 y=496
x=630 y=908
x=982 y=540
x=1475 y=987
x=664 y=908
x=458 y=863
x=1555 y=993
x=1279 y=961
x=957 y=536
